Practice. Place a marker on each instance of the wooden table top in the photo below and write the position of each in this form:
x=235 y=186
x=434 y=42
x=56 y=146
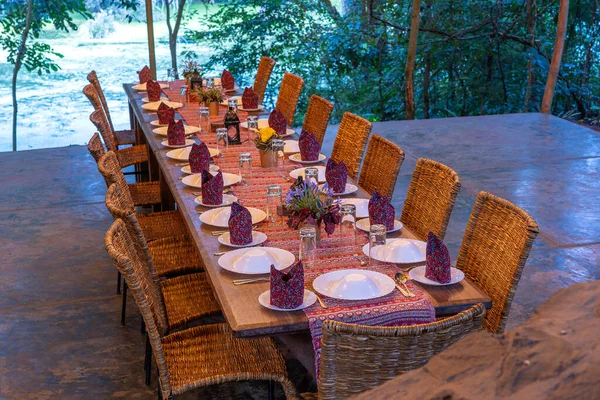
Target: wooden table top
x=239 y=304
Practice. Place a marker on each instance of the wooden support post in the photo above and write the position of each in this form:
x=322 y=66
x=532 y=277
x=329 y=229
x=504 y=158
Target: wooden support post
x=150 y=26
x=559 y=45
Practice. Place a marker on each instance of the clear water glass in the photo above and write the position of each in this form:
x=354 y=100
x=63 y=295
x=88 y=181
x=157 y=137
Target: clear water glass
x=274 y=201
x=311 y=174
x=183 y=95
x=170 y=76
x=210 y=83
x=308 y=245
x=252 y=126
x=245 y=164
x=348 y=222
x=222 y=140
x=277 y=146
x=377 y=237
x=232 y=104
x=204 y=116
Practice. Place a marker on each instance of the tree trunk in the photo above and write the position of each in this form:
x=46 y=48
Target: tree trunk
x=563 y=15
x=531 y=18
x=426 y=84
x=410 y=60
x=173 y=32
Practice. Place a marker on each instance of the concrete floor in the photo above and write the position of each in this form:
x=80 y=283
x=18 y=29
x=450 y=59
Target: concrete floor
x=59 y=314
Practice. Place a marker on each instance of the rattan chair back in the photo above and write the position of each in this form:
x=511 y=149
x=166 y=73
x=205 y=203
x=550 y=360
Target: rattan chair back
x=98 y=118
x=381 y=166
x=355 y=358
x=95 y=147
x=430 y=199
x=317 y=117
x=109 y=167
x=288 y=96
x=93 y=79
x=350 y=142
x=494 y=251
x=265 y=67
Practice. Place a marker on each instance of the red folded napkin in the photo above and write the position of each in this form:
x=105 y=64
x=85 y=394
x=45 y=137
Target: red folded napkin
x=227 y=80
x=199 y=158
x=240 y=225
x=381 y=211
x=249 y=99
x=165 y=113
x=278 y=122
x=437 y=267
x=287 y=288
x=309 y=146
x=336 y=176
x=153 y=89
x=176 y=133
x=145 y=74
x=212 y=188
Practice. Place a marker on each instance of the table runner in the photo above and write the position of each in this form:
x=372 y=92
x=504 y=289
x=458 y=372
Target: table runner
x=335 y=252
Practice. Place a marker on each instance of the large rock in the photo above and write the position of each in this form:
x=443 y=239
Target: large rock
x=554 y=355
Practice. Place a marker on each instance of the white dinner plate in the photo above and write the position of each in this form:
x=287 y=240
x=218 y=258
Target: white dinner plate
x=141 y=87
x=418 y=274
x=184 y=153
x=235 y=87
x=257 y=238
x=399 y=251
x=300 y=172
x=362 y=206
x=354 y=284
x=157 y=123
x=188 y=142
x=189 y=129
x=260 y=107
x=228 y=200
x=291 y=147
x=264 y=122
x=186 y=169
x=195 y=180
x=155 y=104
x=297 y=158
x=365 y=224
x=162 y=98
x=309 y=299
x=256 y=260
x=219 y=217
x=349 y=189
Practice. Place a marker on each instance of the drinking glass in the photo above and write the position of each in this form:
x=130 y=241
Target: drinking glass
x=377 y=237
x=277 y=146
x=311 y=174
x=252 y=126
x=170 y=76
x=308 y=245
x=204 y=115
x=222 y=140
x=232 y=104
x=348 y=221
x=183 y=95
x=274 y=197
x=245 y=164
x=210 y=83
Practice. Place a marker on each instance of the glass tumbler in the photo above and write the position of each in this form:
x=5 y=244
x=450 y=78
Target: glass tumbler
x=210 y=83
x=204 y=116
x=274 y=199
x=308 y=245
x=232 y=104
x=245 y=164
x=252 y=126
x=311 y=174
x=348 y=222
x=222 y=140
x=377 y=237
x=183 y=95
x=277 y=146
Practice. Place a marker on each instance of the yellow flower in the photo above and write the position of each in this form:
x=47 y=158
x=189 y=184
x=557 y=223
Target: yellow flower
x=266 y=134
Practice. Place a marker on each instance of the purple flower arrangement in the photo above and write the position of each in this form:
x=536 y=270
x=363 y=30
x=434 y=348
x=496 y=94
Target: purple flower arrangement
x=306 y=203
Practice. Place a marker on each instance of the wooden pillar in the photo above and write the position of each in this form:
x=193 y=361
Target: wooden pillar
x=559 y=45
x=150 y=27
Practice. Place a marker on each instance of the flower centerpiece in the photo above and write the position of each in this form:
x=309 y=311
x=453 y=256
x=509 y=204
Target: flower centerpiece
x=211 y=97
x=308 y=205
x=264 y=145
x=191 y=69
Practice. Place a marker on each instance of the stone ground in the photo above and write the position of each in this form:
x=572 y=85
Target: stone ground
x=59 y=314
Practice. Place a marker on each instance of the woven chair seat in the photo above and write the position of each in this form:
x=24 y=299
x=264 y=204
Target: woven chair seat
x=124 y=137
x=208 y=355
x=132 y=155
x=145 y=193
x=162 y=224
x=174 y=256
x=188 y=298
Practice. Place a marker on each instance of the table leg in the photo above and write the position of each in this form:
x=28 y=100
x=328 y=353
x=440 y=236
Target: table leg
x=166 y=198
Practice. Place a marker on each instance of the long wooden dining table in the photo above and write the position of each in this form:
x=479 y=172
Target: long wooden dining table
x=240 y=306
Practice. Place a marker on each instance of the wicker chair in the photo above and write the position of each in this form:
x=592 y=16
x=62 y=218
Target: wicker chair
x=317 y=117
x=493 y=252
x=350 y=142
x=430 y=199
x=265 y=67
x=197 y=357
x=287 y=99
x=356 y=358
x=122 y=137
x=381 y=166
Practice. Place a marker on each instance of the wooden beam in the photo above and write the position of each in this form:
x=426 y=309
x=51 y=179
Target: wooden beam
x=150 y=27
x=559 y=45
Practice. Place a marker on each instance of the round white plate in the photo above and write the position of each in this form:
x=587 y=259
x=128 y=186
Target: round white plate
x=350 y=188
x=256 y=260
x=141 y=87
x=189 y=129
x=309 y=299
x=162 y=98
x=188 y=142
x=407 y=251
x=291 y=147
x=260 y=107
x=264 y=122
x=362 y=206
x=418 y=274
x=297 y=158
x=155 y=104
x=219 y=217
x=184 y=153
x=365 y=225
x=156 y=123
x=257 y=238
x=300 y=172
x=195 y=180
x=235 y=87
x=228 y=200
x=354 y=284
x=187 y=170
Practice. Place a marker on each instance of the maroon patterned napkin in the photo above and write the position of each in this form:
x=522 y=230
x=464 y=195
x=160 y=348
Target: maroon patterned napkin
x=176 y=133
x=145 y=74
x=212 y=188
x=309 y=146
x=437 y=267
x=336 y=176
x=249 y=99
x=287 y=289
x=278 y=122
x=165 y=113
x=381 y=211
x=153 y=89
x=199 y=158
x=240 y=225
x=227 y=80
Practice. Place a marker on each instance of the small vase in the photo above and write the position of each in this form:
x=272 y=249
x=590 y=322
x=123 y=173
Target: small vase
x=213 y=109
x=267 y=160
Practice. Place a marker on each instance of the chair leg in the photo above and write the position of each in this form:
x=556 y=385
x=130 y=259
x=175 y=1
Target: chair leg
x=148 y=362
x=271 y=392
x=124 y=305
x=118 y=282
x=143 y=327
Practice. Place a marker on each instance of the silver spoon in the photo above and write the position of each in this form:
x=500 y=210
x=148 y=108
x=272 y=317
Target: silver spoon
x=362 y=262
x=401 y=279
